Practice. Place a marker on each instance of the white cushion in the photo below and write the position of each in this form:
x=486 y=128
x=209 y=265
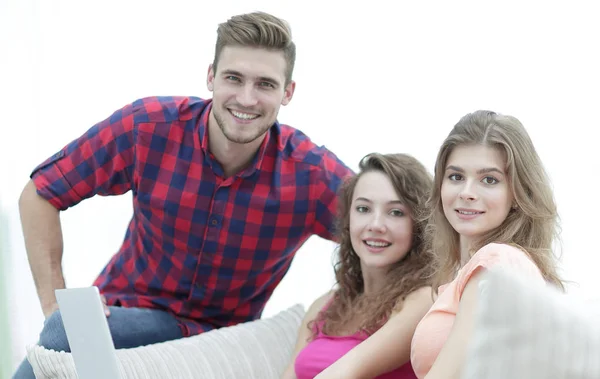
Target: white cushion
x=527 y=330
x=260 y=349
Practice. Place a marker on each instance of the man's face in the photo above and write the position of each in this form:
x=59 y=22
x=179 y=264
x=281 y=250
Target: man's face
x=248 y=89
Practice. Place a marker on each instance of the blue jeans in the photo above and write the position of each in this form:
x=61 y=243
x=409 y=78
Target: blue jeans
x=130 y=327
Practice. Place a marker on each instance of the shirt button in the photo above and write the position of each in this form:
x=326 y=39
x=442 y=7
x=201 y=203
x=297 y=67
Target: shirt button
x=214 y=221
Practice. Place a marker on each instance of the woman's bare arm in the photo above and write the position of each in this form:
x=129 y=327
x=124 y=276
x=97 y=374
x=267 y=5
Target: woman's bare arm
x=304 y=333
x=389 y=347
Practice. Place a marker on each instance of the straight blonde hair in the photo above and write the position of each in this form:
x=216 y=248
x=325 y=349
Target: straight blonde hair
x=532 y=225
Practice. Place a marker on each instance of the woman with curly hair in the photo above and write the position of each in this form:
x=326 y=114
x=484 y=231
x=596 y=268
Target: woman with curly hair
x=363 y=327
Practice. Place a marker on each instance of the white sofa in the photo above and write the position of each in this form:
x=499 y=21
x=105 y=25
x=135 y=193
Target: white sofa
x=532 y=331
x=255 y=350
x=523 y=330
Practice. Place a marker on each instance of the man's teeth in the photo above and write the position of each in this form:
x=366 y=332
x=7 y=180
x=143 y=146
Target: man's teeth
x=245 y=116
x=377 y=244
x=468 y=213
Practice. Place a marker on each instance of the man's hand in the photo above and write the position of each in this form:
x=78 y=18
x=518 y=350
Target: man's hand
x=49 y=310
x=106 y=310
x=54 y=307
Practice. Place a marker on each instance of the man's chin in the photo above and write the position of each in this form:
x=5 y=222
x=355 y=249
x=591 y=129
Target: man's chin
x=244 y=138
x=241 y=139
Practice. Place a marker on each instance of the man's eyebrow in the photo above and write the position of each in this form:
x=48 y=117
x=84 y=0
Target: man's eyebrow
x=260 y=78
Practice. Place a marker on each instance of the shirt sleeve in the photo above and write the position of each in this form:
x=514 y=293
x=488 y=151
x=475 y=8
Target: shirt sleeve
x=332 y=175
x=99 y=162
x=503 y=256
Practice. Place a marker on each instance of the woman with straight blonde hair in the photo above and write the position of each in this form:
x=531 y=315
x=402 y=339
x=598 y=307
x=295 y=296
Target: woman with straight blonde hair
x=491 y=206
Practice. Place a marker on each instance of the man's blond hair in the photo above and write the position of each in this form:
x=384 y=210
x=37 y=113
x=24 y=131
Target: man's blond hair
x=261 y=30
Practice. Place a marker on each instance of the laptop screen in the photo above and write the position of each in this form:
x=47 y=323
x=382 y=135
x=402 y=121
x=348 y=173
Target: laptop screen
x=88 y=333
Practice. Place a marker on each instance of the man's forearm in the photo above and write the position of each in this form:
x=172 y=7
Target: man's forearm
x=44 y=243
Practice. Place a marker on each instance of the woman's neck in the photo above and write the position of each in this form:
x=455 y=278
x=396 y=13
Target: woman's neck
x=374 y=280
x=465 y=245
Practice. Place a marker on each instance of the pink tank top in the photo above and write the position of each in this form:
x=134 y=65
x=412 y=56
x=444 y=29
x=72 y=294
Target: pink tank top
x=324 y=350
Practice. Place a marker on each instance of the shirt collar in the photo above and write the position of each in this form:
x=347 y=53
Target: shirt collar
x=257 y=161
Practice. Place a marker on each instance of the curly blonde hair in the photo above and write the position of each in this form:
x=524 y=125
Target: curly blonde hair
x=412 y=183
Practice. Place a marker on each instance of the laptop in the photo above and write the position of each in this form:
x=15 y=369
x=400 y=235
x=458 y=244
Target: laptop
x=88 y=334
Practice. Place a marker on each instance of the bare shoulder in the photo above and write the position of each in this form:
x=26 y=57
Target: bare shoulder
x=420 y=296
x=419 y=301
x=318 y=304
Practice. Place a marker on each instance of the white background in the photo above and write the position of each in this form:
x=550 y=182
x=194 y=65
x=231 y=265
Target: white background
x=371 y=76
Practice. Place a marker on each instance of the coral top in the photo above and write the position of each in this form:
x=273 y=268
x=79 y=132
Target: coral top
x=324 y=350
x=433 y=330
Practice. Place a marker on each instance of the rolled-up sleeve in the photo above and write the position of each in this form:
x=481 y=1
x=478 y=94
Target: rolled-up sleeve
x=100 y=162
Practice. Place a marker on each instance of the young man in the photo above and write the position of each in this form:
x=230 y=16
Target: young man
x=223 y=197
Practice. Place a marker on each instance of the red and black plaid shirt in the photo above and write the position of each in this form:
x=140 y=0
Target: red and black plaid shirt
x=208 y=249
